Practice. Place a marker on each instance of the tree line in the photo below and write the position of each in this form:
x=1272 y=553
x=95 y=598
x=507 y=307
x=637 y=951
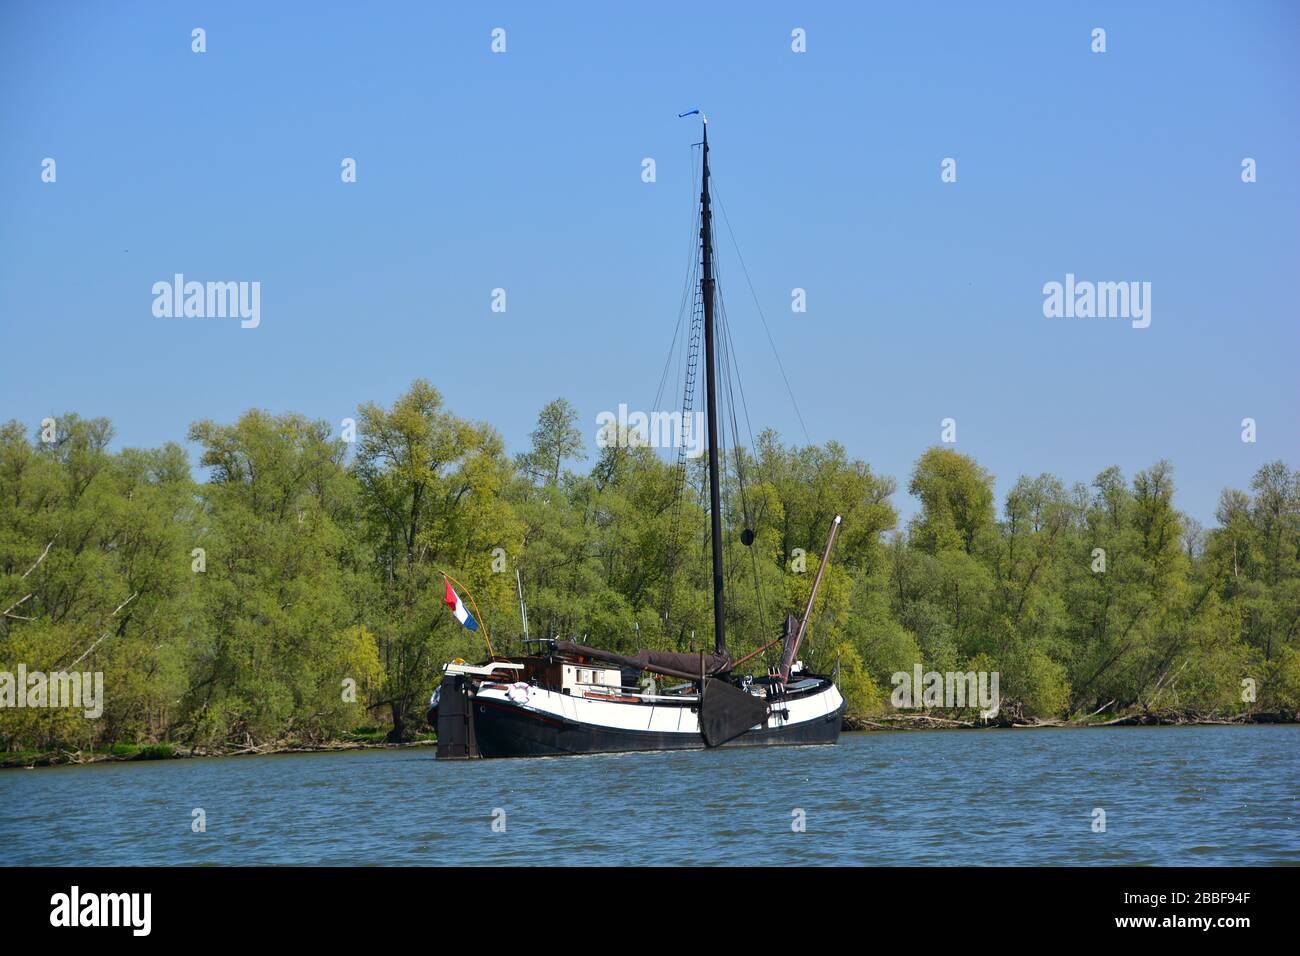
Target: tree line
x=296 y=592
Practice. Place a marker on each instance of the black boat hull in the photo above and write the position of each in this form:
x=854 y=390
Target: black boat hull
x=502 y=730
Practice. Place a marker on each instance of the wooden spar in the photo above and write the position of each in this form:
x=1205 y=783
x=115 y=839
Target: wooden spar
x=752 y=654
x=523 y=608
x=788 y=658
x=770 y=644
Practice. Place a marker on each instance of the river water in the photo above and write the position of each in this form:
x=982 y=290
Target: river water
x=1170 y=795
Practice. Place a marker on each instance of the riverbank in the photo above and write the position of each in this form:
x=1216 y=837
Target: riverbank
x=119 y=753
x=1009 y=720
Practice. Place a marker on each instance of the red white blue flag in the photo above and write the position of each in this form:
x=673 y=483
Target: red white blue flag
x=453 y=601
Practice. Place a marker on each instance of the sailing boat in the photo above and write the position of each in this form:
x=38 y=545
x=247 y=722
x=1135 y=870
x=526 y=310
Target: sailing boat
x=569 y=698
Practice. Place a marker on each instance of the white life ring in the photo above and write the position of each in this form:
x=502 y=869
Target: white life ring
x=519 y=692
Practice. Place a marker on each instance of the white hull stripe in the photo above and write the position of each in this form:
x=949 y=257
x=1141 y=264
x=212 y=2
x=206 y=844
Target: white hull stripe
x=656 y=718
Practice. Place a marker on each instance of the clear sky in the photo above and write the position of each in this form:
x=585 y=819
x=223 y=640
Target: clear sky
x=522 y=170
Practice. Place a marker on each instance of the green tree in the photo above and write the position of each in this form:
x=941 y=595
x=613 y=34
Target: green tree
x=556 y=439
x=431 y=496
x=956 y=498
x=278 y=638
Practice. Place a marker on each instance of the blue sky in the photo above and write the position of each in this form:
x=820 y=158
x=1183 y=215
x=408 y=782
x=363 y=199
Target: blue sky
x=522 y=170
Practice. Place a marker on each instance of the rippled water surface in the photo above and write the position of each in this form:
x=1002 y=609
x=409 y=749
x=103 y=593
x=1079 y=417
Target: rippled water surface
x=1175 y=796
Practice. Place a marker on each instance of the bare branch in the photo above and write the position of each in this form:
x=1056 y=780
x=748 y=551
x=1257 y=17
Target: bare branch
x=105 y=634
x=38 y=561
x=14 y=605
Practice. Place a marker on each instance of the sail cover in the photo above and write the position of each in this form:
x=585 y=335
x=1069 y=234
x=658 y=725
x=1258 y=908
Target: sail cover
x=669 y=662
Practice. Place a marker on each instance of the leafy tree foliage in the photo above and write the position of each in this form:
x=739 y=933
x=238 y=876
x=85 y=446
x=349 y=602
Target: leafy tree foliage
x=296 y=591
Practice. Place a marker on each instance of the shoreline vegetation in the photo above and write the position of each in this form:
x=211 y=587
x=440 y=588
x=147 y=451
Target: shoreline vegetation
x=123 y=753
x=292 y=594
x=1169 y=718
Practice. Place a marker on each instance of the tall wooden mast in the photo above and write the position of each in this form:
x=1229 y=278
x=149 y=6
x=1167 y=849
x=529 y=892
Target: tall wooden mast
x=711 y=391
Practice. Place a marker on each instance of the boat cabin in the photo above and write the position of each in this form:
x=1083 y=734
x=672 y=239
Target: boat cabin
x=577 y=679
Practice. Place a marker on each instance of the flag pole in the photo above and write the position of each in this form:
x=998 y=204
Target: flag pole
x=478 y=616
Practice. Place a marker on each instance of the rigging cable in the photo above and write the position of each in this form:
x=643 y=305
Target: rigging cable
x=730 y=370
x=732 y=365
x=690 y=292
x=691 y=270
x=763 y=318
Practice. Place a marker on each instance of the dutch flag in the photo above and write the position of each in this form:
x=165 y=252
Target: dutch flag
x=453 y=601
